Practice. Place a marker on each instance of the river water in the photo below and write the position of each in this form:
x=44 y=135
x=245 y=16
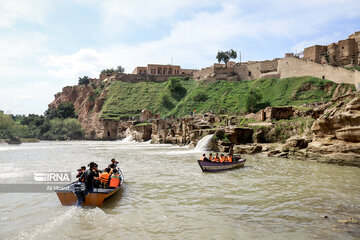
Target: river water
x=166 y=196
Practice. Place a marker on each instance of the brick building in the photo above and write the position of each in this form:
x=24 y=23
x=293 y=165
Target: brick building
x=159 y=69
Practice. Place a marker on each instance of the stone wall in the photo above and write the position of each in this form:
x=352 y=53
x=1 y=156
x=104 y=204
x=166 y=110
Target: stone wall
x=345 y=53
x=294 y=67
x=314 y=53
x=131 y=77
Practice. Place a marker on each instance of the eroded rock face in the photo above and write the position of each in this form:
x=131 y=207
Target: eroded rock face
x=247 y=149
x=88 y=110
x=336 y=134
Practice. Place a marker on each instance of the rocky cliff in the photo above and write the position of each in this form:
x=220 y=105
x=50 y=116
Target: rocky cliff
x=336 y=133
x=88 y=107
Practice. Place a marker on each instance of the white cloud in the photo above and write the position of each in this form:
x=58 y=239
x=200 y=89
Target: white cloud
x=12 y=11
x=144 y=12
x=30 y=97
x=194 y=41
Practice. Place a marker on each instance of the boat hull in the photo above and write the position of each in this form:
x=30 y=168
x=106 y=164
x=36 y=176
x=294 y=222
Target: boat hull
x=207 y=166
x=93 y=199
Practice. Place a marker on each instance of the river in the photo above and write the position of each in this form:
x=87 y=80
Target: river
x=167 y=196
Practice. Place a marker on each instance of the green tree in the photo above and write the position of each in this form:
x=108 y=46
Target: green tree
x=73 y=129
x=108 y=71
x=225 y=56
x=84 y=80
x=6 y=125
x=252 y=101
x=120 y=69
x=66 y=110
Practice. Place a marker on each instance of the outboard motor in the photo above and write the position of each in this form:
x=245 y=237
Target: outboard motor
x=79 y=190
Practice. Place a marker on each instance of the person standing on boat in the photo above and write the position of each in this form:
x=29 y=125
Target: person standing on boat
x=231 y=151
x=90 y=177
x=80 y=175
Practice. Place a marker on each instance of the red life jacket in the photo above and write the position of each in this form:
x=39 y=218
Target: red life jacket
x=114 y=180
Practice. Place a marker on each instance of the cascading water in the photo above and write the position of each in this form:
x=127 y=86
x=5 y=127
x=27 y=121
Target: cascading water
x=203 y=144
x=128 y=139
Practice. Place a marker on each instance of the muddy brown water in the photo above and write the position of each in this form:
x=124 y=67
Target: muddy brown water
x=166 y=196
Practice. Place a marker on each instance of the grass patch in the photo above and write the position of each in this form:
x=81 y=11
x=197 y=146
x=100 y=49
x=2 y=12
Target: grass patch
x=180 y=97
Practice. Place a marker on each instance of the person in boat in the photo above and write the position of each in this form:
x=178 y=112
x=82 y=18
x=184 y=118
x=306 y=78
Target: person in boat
x=80 y=174
x=217 y=158
x=223 y=158
x=211 y=158
x=115 y=179
x=113 y=164
x=204 y=158
x=231 y=151
x=105 y=178
x=229 y=158
x=97 y=182
x=89 y=176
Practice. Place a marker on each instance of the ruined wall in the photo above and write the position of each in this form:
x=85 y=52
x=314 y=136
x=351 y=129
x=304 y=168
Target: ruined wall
x=345 y=53
x=294 y=67
x=314 y=53
x=204 y=73
x=130 y=77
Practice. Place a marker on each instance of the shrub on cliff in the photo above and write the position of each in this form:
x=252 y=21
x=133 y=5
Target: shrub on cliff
x=166 y=102
x=200 y=96
x=175 y=87
x=252 y=101
x=66 y=110
x=84 y=80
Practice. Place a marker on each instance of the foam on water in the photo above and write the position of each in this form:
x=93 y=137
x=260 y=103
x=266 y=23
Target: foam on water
x=128 y=139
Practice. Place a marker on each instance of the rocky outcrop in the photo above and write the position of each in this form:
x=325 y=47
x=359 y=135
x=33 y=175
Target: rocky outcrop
x=247 y=149
x=187 y=130
x=336 y=134
x=88 y=107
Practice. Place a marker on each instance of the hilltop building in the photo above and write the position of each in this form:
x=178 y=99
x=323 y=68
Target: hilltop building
x=345 y=53
x=159 y=69
x=326 y=62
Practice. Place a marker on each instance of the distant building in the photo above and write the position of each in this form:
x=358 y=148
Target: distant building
x=345 y=53
x=159 y=69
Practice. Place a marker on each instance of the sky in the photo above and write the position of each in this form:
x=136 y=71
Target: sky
x=47 y=45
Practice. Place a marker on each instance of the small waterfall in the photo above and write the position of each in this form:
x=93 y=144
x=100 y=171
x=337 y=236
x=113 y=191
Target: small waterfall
x=203 y=144
x=128 y=139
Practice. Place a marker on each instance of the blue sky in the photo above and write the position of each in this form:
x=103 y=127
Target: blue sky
x=46 y=45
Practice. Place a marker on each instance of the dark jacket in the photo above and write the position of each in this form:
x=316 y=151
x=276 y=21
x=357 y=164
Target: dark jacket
x=89 y=178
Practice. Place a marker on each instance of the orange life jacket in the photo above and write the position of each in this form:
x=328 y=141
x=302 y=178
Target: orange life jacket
x=230 y=159
x=210 y=158
x=216 y=159
x=222 y=159
x=104 y=177
x=114 y=180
